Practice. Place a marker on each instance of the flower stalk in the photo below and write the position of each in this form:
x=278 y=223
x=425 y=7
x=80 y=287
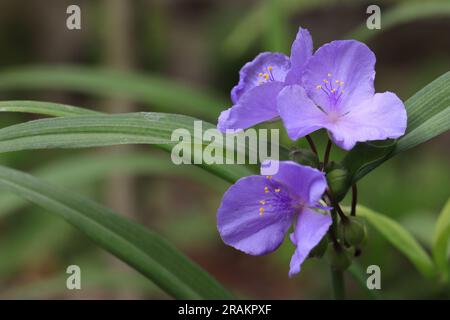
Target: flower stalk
x=354 y=199
x=337 y=280
x=311 y=144
x=326 y=157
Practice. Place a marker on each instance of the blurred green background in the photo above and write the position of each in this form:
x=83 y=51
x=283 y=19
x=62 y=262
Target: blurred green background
x=202 y=44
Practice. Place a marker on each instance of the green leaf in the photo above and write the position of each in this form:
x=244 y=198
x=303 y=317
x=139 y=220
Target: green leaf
x=428 y=116
x=155 y=91
x=365 y=157
x=406 y=12
x=89 y=168
x=140 y=248
x=105 y=130
x=400 y=238
x=440 y=241
x=44 y=108
x=113 y=135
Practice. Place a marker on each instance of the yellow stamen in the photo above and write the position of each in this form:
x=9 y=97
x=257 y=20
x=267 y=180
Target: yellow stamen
x=263 y=202
x=336 y=81
x=333 y=90
x=261 y=211
x=319 y=87
x=325 y=80
x=270 y=68
x=343 y=91
x=269 y=177
x=260 y=74
x=266 y=189
x=277 y=190
x=341 y=83
x=266 y=76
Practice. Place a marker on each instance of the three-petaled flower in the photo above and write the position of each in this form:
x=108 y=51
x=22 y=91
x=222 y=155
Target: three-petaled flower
x=257 y=212
x=337 y=93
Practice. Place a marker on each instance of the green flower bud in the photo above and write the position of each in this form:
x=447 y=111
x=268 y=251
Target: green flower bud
x=305 y=157
x=338 y=257
x=319 y=250
x=353 y=231
x=339 y=181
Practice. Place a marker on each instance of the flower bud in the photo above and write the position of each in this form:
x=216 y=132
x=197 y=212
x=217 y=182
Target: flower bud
x=319 y=250
x=353 y=231
x=339 y=181
x=338 y=257
x=305 y=157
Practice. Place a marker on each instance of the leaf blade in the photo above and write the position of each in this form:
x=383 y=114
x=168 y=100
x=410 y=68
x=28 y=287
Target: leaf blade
x=440 y=241
x=129 y=241
x=98 y=130
x=400 y=238
x=92 y=167
x=428 y=116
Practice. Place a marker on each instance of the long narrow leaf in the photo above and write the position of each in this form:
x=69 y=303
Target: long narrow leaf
x=140 y=248
x=105 y=130
x=440 y=241
x=81 y=170
x=44 y=108
x=428 y=116
x=399 y=238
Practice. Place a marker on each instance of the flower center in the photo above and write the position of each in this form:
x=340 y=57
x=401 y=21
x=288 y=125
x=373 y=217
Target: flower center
x=333 y=88
x=266 y=75
x=277 y=197
x=333 y=116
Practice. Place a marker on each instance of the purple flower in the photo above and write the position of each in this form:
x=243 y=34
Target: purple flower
x=337 y=93
x=257 y=212
x=260 y=81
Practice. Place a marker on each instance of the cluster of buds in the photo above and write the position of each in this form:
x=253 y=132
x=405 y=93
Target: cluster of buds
x=348 y=233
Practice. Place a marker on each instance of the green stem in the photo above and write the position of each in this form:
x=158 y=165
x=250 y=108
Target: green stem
x=336 y=206
x=326 y=157
x=354 y=199
x=337 y=280
x=311 y=144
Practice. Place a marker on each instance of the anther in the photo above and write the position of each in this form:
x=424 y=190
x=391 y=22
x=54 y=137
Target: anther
x=261 y=211
x=266 y=189
x=277 y=190
x=270 y=68
x=319 y=87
